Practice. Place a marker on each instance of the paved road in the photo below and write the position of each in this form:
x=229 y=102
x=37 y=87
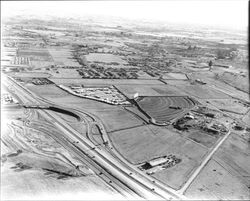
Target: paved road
x=202 y=165
x=142 y=188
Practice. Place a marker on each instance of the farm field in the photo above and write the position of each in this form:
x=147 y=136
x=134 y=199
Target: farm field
x=63 y=56
x=65 y=73
x=159 y=141
x=230 y=105
x=236 y=154
x=214 y=183
x=203 y=92
x=238 y=81
x=213 y=82
x=105 y=82
x=41 y=64
x=35 y=54
x=134 y=110
x=202 y=138
x=116 y=119
x=178 y=82
x=149 y=90
x=174 y=76
x=31 y=75
x=113 y=117
x=47 y=91
x=177 y=175
x=106 y=58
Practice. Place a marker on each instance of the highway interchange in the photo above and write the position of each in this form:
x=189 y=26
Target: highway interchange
x=103 y=159
x=122 y=177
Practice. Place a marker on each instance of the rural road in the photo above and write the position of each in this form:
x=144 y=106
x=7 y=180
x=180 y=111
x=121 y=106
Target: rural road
x=202 y=165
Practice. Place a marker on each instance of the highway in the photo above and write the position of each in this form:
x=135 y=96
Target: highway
x=138 y=185
x=85 y=158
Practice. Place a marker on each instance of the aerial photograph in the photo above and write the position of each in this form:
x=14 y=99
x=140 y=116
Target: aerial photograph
x=125 y=100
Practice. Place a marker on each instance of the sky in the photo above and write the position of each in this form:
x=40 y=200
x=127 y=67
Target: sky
x=230 y=13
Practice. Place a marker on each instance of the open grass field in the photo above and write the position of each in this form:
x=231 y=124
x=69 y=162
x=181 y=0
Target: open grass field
x=106 y=58
x=174 y=76
x=41 y=64
x=235 y=153
x=63 y=56
x=209 y=78
x=216 y=183
x=246 y=118
x=113 y=117
x=80 y=103
x=135 y=111
x=48 y=32
x=31 y=75
x=159 y=107
x=47 y=91
x=202 y=138
x=238 y=81
x=106 y=82
x=35 y=53
x=203 y=92
x=231 y=105
x=159 y=141
x=65 y=73
x=177 y=82
x=175 y=176
x=149 y=90
x=144 y=143
x=116 y=119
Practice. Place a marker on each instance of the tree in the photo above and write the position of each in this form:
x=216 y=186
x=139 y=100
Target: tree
x=210 y=63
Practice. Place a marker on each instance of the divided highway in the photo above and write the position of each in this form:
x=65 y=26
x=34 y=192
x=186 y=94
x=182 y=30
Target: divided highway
x=139 y=186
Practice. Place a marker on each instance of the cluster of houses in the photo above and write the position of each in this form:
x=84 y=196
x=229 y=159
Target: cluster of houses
x=105 y=94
